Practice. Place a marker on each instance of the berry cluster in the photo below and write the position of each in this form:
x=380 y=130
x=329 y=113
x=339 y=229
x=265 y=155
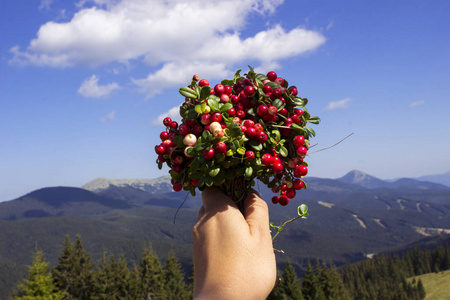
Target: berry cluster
x=250 y=127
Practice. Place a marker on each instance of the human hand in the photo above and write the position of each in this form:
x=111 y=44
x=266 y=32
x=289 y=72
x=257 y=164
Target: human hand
x=233 y=253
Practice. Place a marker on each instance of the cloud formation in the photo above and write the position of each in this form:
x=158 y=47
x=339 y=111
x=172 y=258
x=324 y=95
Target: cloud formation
x=109 y=117
x=417 y=103
x=170 y=36
x=338 y=104
x=91 y=89
x=173 y=113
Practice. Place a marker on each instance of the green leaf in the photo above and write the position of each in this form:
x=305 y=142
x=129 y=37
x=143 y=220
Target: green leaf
x=225 y=107
x=191 y=151
x=195 y=164
x=256 y=145
x=237 y=75
x=209 y=181
x=191 y=114
x=227 y=82
x=205 y=92
x=214 y=172
x=283 y=151
x=241 y=150
x=314 y=120
x=276 y=134
x=214 y=104
x=310 y=131
x=260 y=77
x=302 y=210
x=248 y=171
x=188 y=92
x=278 y=104
x=299 y=102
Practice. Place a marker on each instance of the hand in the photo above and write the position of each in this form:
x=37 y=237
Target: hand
x=233 y=253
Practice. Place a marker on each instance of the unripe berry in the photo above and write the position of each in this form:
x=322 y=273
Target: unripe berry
x=190 y=140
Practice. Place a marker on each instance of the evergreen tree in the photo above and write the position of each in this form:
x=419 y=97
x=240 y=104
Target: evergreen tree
x=190 y=285
x=309 y=284
x=173 y=277
x=112 y=279
x=290 y=285
x=152 y=284
x=421 y=289
x=74 y=273
x=39 y=284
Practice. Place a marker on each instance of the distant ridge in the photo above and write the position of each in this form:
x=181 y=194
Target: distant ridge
x=363 y=179
x=153 y=186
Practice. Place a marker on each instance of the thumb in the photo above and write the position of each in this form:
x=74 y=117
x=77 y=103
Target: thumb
x=256 y=214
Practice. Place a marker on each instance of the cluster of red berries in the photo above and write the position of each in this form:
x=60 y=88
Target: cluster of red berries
x=251 y=127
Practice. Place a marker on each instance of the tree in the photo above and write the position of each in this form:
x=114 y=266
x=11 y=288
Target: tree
x=112 y=279
x=173 y=277
x=39 y=284
x=74 y=272
x=421 y=289
x=290 y=284
x=151 y=276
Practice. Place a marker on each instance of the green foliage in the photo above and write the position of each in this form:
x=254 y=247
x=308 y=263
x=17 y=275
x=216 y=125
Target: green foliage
x=112 y=279
x=39 y=284
x=151 y=275
x=173 y=278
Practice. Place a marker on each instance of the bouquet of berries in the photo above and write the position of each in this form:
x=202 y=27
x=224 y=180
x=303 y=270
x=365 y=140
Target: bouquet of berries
x=252 y=127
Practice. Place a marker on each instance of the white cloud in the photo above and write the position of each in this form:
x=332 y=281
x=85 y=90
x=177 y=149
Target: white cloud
x=338 y=104
x=417 y=103
x=173 y=113
x=170 y=35
x=91 y=89
x=45 y=4
x=109 y=117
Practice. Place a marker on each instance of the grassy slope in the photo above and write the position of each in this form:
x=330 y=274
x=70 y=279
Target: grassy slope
x=437 y=286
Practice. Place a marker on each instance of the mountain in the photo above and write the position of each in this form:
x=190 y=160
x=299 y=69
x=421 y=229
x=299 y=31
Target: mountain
x=438 y=178
x=357 y=214
x=59 y=201
x=363 y=179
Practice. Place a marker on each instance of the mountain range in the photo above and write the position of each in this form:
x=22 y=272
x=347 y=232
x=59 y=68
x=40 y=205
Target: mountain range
x=351 y=218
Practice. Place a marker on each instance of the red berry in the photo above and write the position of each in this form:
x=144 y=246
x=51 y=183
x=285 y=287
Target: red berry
x=294 y=118
x=249 y=123
x=262 y=110
x=236 y=120
x=176 y=168
x=174 y=125
x=272 y=76
x=224 y=98
x=261 y=136
x=298 y=184
x=259 y=127
x=209 y=153
x=178 y=160
x=290 y=193
x=216 y=117
x=250 y=155
x=227 y=90
x=301 y=151
x=164 y=135
x=194 y=182
x=234 y=99
x=275 y=199
x=160 y=149
x=205 y=119
x=284 y=200
x=177 y=187
x=221 y=147
x=300 y=171
x=273 y=110
x=283 y=187
x=299 y=112
x=250 y=132
x=267 y=89
x=190 y=122
x=203 y=82
x=184 y=129
x=277 y=168
x=249 y=91
x=167 y=121
x=240 y=114
x=197 y=129
x=231 y=112
x=293 y=91
x=280 y=81
x=299 y=140
x=277 y=93
x=267 y=159
x=219 y=89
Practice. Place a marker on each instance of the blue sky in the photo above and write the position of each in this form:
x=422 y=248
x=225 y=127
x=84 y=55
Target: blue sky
x=84 y=83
